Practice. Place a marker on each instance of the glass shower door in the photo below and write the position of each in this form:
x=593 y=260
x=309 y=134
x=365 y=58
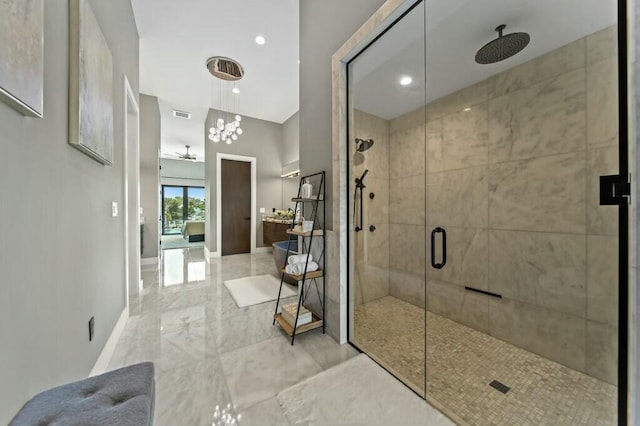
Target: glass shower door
x=387 y=166
x=522 y=315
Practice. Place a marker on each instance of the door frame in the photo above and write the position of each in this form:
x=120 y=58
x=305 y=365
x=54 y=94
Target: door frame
x=131 y=155
x=223 y=156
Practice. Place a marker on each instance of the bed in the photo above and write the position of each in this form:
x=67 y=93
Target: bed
x=193 y=230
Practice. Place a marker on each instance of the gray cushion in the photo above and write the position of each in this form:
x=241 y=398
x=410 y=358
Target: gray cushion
x=123 y=397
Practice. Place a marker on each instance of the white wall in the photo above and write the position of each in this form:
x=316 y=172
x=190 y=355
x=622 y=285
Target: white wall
x=182 y=173
x=61 y=252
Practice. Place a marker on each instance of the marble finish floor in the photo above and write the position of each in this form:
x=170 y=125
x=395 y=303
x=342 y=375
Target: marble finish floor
x=461 y=362
x=208 y=352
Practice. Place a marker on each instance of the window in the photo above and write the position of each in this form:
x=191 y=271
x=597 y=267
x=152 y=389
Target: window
x=180 y=203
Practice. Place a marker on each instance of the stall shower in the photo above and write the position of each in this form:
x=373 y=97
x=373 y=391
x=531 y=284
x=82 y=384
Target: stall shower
x=483 y=269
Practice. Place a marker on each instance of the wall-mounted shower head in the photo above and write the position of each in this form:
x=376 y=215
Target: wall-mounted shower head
x=364 y=144
x=503 y=47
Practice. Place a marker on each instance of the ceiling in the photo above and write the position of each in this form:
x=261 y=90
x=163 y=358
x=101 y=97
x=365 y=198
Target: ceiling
x=456 y=29
x=177 y=37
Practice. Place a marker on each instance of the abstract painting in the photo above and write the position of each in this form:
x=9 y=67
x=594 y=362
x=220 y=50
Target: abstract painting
x=90 y=85
x=22 y=55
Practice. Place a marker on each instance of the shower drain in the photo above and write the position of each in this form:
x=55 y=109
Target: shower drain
x=500 y=386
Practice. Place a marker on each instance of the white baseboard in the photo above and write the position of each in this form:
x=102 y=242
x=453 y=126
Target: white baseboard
x=210 y=254
x=262 y=250
x=149 y=261
x=102 y=363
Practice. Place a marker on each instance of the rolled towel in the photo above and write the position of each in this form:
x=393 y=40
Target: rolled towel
x=300 y=258
x=298 y=268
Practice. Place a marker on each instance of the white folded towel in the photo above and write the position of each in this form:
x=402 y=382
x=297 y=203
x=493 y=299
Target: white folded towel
x=298 y=268
x=300 y=258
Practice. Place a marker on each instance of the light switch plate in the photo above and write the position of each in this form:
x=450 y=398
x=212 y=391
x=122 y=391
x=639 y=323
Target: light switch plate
x=262 y=209
x=114 y=209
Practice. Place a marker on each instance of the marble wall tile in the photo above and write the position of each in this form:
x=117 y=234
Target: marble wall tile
x=458 y=198
x=602 y=351
x=602 y=44
x=407 y=152
x=457 y=101
x=363 y=120
x=407 y=248
x=406 y=200
x=602 y=102
x=460 y=305
x=415 y=118
x=541 y=194
x=539 y=268
x=543 y=119
x=371 y=283
x=467 y=258
x=465 y=137
x=434 y=146
x=376 y=209
x=377 y=246
x=567 y=58
x=408 y=287
x=602 y=220
x=554 y=335
x=602 y=279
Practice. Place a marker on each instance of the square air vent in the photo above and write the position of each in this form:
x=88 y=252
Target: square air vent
x=182 y=114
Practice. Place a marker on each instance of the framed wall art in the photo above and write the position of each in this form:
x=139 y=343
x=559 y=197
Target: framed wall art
x=90 y=85
x=22 y=55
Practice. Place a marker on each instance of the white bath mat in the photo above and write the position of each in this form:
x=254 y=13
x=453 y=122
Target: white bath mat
x=357 y=392
x=249 y=291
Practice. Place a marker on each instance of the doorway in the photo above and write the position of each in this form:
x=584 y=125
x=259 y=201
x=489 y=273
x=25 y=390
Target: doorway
x=236 y=204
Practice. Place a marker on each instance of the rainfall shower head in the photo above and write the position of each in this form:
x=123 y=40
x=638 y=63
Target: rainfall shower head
x=502 y=47
x=364 y=144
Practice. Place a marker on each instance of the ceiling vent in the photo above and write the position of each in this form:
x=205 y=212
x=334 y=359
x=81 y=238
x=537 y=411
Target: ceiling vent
x=225 y=68
x=182 y=114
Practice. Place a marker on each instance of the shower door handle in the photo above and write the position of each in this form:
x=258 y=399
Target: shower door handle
x=435 y=231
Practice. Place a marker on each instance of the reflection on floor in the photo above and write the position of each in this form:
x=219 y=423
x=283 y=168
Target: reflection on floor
x=462 y=362
x=209 y=352
x=178 y=241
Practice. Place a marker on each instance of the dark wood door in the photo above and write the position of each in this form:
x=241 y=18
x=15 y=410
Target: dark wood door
x=236 y=207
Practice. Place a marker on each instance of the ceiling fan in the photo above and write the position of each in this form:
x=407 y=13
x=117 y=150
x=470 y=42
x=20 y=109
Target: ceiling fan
x=186 y=156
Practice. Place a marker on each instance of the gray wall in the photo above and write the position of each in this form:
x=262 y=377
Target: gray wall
x=62 y=254
x=318 y=42
x=290 y=154
x=181 y=172
x=261 y=139
x=149 y=185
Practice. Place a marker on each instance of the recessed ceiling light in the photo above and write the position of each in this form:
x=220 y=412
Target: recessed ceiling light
x=235 y=90
x=467 y=109
x=260 y=40
x=406 y=80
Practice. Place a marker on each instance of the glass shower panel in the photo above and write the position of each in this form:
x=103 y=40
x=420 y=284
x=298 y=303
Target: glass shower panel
x=387 y=148
x=522 y=316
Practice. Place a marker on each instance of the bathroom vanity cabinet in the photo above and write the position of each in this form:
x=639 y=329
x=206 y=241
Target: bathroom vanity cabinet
x=274 y=231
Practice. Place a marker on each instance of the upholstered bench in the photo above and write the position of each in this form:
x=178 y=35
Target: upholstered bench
x=123 y=397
